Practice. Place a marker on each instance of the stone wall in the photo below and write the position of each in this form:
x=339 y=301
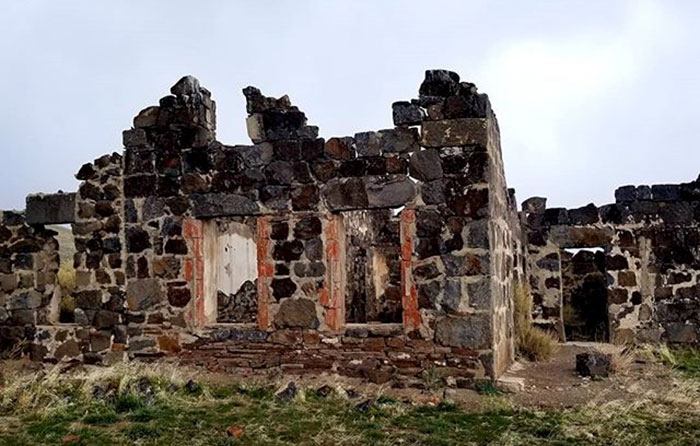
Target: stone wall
x=389 y=255
x=385 y=254
x=392 y=255
x=29 y=261
x=650 y=238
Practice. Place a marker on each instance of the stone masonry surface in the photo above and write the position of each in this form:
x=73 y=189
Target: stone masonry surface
x=390 y=255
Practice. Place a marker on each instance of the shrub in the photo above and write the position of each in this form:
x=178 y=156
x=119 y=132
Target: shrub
x=532 y=343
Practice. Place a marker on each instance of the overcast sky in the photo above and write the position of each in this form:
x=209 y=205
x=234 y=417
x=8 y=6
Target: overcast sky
x=589 y=94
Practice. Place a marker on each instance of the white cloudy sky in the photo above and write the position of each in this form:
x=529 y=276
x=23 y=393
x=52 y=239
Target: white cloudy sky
x=589 y=94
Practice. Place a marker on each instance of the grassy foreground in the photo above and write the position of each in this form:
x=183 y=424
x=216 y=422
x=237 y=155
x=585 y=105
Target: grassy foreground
x=140 y=404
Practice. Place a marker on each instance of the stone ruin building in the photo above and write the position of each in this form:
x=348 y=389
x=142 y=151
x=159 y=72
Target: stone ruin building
x=381 y=255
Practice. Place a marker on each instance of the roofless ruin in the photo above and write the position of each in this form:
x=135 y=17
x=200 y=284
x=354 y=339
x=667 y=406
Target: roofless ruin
x=379 y=255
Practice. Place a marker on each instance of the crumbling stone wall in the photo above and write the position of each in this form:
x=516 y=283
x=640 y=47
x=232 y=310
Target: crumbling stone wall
x=421 y=211
x=28 y=265
x=389 y=254
x=650 y=240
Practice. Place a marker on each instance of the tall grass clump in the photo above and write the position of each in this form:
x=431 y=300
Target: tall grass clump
x=66 y=278
x=532 y=343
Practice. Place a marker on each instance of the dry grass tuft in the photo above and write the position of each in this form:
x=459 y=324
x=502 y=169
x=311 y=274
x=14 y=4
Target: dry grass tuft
x=622 y=361
x=533 y=343
x=536 y=344
x=66 y=278
x=52 y=389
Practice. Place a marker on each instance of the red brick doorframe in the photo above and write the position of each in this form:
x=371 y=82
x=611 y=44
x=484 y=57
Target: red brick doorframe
x=266 y=269
x=333 y=293
x=409 y=294
x=193 y=231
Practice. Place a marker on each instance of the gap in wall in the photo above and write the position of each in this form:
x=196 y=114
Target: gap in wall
x=231 y=271
x=585 y=294
x=373 y=265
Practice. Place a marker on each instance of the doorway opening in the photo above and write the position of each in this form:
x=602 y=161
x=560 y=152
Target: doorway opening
x=585 y=294
x=373 y=267
x=230 y=271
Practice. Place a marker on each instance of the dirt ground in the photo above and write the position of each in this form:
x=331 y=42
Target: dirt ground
x=555 y=383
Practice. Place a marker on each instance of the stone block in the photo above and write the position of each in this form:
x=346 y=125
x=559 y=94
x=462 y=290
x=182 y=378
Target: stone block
x=511 y=384
x=479 y=293
x=345 y=194
x=142 y=294
x=466 y=265
x=283 y=288
x=340 y=148
x=139 y=186
x=398 y=140
x=406 y=113
x=297 y=313
x=454 y=132
x=680 y=332
x=593 y=364
x=8 y=282
x=135 y=138
x=632 y=193
x=556 y=216
x=179 y=296
x=12 y=218
x=50 y=209
x=389 y=192
x=425 y=165
x=535 y=205
x=257 y=155
x=279 y=172
x=25 y=301
x=440 y=83
x=665 y=192
x=433 y=192
x=137 y=240
x=466 y=331
x=148 y=117
x=100 y=341
x=220 y=205
x=106 y=319
x=69 y=349
x=368 y=144
x=466 y=106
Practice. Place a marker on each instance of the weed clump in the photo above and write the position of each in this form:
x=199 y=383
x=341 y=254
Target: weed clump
x=66 y=278
x=532 y=343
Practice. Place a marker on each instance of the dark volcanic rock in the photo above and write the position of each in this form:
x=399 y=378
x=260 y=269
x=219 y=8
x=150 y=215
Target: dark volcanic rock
x=425 y=165
x=593 y=364
x=297 y=313
x=218 y=205
x=406 y=113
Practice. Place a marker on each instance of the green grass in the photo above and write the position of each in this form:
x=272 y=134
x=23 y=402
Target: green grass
x=688 y=362
x=170 y=414
x=199 y=420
